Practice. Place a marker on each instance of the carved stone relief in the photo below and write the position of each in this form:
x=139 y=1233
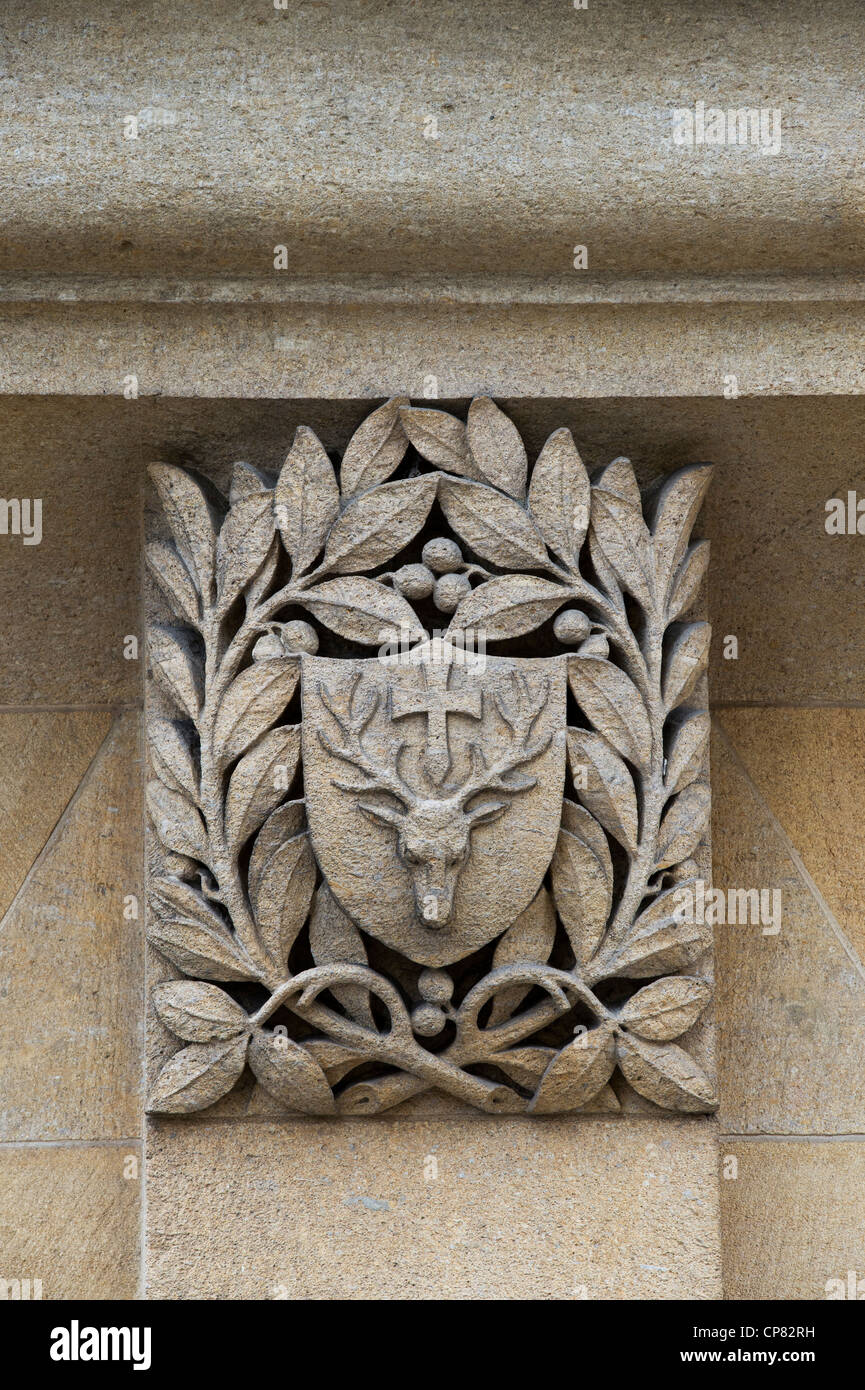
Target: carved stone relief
x=428 y=743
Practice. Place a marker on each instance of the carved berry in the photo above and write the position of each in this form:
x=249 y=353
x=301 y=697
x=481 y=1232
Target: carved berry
x=442 y=555
x=571 y=627
x=267 y=647
x=450 y=590
x=436 y=986
x=414 y=581
x=427 y=1020
x=299 y=636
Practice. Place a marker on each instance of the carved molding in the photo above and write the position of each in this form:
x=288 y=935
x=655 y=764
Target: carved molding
x=467 y=866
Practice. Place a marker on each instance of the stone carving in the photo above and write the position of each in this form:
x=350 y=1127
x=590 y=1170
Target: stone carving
x=460 y=869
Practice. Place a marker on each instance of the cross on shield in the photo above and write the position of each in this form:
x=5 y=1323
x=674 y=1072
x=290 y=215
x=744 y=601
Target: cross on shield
x=433 y=791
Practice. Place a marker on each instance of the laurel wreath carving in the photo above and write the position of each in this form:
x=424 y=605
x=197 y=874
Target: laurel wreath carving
x=240 y=886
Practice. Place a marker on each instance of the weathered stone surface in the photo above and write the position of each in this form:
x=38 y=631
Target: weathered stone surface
x=70 y=964
x=793 y=1220
x=69 y=1217
x=609 y=1209
x=43 y=756
x=433 y=774
x=70 y=601
x=805 y=764
x=791 y=1004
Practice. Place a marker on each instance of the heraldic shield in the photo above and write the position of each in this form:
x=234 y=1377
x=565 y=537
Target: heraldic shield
x=433 y=791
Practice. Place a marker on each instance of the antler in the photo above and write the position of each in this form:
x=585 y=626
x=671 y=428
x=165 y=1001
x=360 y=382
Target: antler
x=520 y=719
x=352 y=750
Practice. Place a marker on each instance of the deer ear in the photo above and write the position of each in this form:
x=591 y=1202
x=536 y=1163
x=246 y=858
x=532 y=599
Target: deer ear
x=385 y=815
x=486 y=811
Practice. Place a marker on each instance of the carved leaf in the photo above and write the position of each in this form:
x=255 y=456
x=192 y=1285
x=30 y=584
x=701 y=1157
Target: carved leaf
x=666 y=1008
x=525 y=1065
x=376 y=525
x=286 y=821
x=660 y=944
x=688 y=578
x=687 y=752
x=252 y=702
x=248 y=481
x=496 y=447
x=191 y=935
x=191 y=520
x=684 y=825
x=335 y=940
x=174 y=579
x=619 y=478
x=282 y=897
x=582 y=887
x=243 y=544
x=172 y=756
x=306 y=500
x=508 y=606
x=259 y=782
x=376 y=449
x=625 y=540
x=496 y=527
x=197 y=1076
x=175 y=668
x=177 y=821
x=361 y=610
x=614 y=705
x=289 y=1074
x=198 y=1013
x=440 y=439
x=609 y=791
x=560 y=496
x=529 y=938
x=665 y=1074
x=676 y=510
x=577 y=1073
x=685 y=662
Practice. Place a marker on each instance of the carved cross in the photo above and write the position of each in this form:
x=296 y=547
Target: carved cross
x=436 y=701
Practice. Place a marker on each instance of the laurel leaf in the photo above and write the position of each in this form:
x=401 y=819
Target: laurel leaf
x=378 y=524
x=560 y=496
x=243 y=544
x=684 y=825
x=665 y=1074
x=496 y=527
x=666 y=1008
x=335 y=940
x=525 y=1065
x=440 y=439
x=191 y=935
x=675 y=512
x=177 y=821
x=248 y=481
x=687 y=580
x=627 y=545
x=192 y=522
x=259 y=783
x=175 y=668
x=286 y=821
x=659 y=943
x=614 y=705
x=529 y=938
x=306 y=499
x=282 y=897
x=687 y=755
x=685 y=662
x=583 y=890
x=496 y=447
x=576 y=1073
x=362 y=610
x=508 y=606
x=253 y=702
x=375 y=450
x=172 y=756
x=197 y=1012
x=174 y=579
x=197 y=1076
x=290 y=1074
x=608 y=793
